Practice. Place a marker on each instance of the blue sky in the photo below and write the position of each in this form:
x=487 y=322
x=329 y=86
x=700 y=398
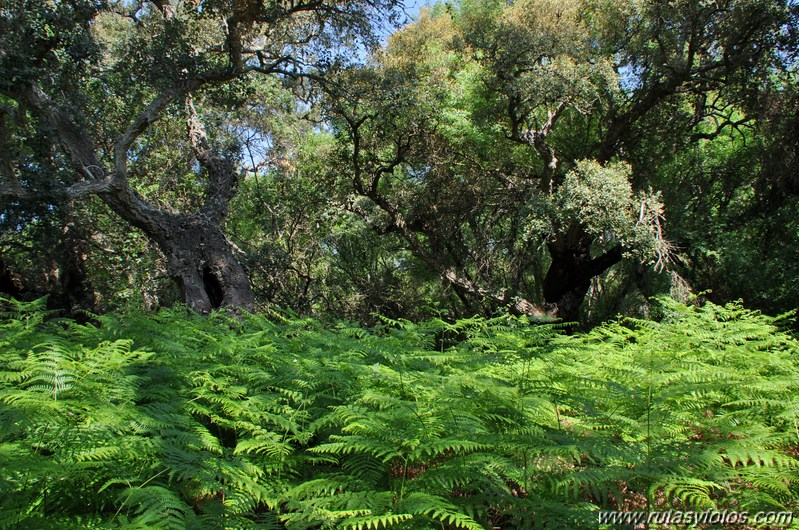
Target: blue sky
x=411 y=8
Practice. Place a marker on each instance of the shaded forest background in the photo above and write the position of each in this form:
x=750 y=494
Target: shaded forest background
x=555 y=159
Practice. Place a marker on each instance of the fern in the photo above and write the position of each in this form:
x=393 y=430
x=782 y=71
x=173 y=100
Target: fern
x=173 y=420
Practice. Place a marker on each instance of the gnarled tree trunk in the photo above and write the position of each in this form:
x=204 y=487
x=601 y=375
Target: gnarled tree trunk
x=569 y=276
x=201 y=260
x=199 y=256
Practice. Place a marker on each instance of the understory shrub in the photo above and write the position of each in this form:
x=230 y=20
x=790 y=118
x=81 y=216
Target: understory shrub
x=173 y=420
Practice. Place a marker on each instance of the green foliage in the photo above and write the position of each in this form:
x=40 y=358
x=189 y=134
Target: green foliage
x=178 y=421
x=602 y=199
x=732 y=206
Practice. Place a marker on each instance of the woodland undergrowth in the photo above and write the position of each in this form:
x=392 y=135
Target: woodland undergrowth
x=172 y=420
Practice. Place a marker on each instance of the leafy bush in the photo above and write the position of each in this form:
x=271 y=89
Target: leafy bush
x=173 y=420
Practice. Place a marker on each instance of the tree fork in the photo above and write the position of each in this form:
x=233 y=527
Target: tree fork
x=569 y=276
x=199 y=256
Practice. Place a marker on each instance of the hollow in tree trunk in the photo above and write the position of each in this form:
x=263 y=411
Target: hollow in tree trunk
x=201 y=260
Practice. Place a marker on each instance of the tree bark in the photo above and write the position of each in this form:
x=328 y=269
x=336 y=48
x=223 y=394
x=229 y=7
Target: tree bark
x=201 y=261
x=199 y=256
x=569 y=275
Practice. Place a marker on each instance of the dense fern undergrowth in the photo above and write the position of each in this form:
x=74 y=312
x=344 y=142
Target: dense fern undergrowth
x=177 y=421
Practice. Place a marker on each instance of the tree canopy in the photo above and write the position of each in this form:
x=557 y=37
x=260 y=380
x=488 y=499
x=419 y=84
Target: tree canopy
x=558 y=159
x=111 y=99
